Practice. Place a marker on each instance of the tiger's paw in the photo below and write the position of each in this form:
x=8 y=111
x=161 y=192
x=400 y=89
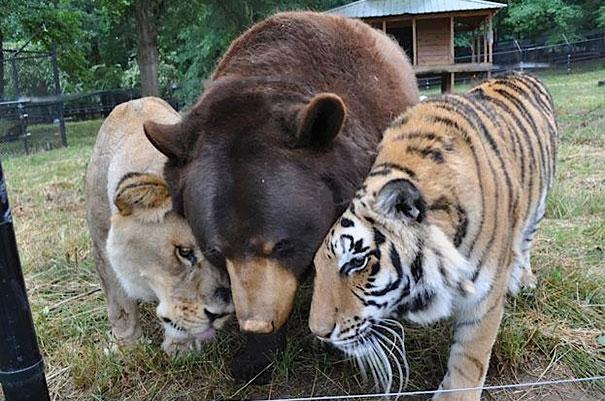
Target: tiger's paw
x=457 y=396
x=528 y=279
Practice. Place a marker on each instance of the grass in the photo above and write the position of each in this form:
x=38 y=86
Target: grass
x=549 y=332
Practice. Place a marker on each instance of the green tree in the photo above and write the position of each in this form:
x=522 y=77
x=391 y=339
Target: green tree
x=202 y=37
x=44 y=24
x=600 y=16
x=529 y=19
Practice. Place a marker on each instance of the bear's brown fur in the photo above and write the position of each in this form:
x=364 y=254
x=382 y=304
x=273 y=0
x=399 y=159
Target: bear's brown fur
x=276 y=146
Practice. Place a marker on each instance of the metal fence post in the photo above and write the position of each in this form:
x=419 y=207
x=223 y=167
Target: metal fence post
x=21 y=366
x=568 y=46
x=23 y=126
x=520 y=54
x=60 y=106
x=15 y=77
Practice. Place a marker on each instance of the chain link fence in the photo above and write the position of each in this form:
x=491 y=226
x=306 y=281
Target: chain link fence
x=535 y=54
x=31 y=110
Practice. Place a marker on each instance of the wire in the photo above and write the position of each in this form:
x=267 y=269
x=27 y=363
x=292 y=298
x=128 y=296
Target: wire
x=429 y=392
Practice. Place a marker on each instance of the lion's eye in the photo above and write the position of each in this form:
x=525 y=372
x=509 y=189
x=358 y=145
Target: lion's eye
x=187 y=254
x=356 y=264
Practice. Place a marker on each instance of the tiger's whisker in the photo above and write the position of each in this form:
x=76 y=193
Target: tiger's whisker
x=403 y=352
x=367 y=356
x=362 y=367
x=397 y=365
x=376 y=363
x=387 y=369
x=395 y=359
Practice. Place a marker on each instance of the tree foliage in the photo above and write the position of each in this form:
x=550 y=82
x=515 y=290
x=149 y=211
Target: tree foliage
x=530 y=19
x=600 y=16
x=96 y=40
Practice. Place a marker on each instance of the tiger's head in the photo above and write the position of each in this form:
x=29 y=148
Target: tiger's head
x=384 y=258
x=156 y=259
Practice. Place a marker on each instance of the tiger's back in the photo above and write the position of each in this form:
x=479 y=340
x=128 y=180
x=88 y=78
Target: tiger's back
x=501 y=139
x=443 y=224
x=524 y=110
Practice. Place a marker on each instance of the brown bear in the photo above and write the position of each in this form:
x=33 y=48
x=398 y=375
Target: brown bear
x=271 y=154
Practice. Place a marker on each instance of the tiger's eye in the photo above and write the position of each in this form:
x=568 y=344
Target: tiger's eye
x=356 y=264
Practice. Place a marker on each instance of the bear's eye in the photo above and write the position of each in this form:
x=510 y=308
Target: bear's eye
x=356 y=264
x=186 y=254
x=216 y=257
x=283 y=247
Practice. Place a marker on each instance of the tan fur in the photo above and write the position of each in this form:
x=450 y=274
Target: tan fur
x=263 y=293
x=146 y=195
x=456 y=192
x=135 y=235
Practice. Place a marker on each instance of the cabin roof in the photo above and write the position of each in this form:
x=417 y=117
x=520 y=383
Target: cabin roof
x=384 y=8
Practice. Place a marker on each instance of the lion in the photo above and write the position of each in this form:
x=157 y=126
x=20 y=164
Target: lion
x=145 y=251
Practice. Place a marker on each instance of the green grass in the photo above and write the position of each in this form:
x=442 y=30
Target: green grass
x=550 y=332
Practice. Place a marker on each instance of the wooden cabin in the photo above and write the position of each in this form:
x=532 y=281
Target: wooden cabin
x=427 y=30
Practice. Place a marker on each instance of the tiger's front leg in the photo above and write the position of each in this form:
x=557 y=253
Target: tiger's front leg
x=475 y=331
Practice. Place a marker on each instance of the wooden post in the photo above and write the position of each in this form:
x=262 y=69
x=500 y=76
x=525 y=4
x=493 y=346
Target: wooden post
x=490 y=38
x=447 y=82
x=384 y=26
x=414 y=51
x=485 y=40
x=452 y=61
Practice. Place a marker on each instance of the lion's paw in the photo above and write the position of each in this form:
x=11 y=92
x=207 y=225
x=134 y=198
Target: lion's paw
x=179 y=347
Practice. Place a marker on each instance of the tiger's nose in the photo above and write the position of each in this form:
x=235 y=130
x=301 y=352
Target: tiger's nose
x=213 y=316
x=323 y=333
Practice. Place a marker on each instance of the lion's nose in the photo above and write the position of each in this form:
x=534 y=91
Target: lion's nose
x=224 y=294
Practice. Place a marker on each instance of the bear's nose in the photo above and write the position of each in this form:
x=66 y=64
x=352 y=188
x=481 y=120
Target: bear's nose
x=213 y=316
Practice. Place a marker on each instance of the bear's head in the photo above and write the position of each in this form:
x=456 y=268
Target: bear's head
x=260 y=172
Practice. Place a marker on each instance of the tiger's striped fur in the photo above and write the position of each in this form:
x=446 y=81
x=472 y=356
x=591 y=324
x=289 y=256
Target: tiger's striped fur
x=442 y=226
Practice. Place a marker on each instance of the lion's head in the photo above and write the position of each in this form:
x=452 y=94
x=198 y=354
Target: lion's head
x=155 y=257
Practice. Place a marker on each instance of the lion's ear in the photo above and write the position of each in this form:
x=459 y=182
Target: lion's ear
x=143 y=195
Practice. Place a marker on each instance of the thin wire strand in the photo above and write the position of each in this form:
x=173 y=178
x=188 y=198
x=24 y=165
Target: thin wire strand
x=429 y=392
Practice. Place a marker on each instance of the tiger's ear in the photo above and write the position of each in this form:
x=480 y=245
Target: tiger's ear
x=320 y=121
x=144 y=196
x=172 y=140
x=400 y=199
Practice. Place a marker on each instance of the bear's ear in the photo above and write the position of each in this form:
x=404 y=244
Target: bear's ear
x=400 y=199
x=170 y=139
x=320 y=121
x=144 y=196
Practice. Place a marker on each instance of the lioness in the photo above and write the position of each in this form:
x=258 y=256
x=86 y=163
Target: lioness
x=144 y=250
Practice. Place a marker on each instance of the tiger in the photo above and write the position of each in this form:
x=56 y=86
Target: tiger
x=442 y=227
